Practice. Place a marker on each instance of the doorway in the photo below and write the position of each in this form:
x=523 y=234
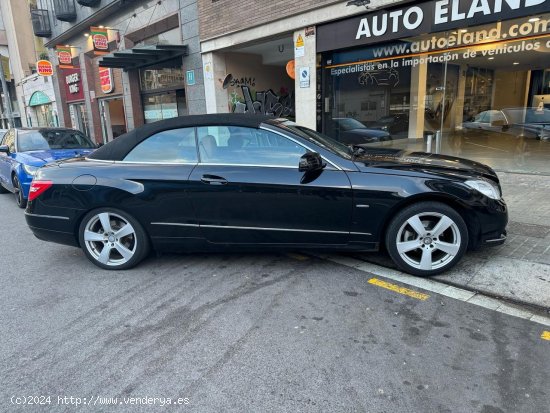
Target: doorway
x=113 y=118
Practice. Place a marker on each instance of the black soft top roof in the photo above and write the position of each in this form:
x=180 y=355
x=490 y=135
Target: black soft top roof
x=119 y=148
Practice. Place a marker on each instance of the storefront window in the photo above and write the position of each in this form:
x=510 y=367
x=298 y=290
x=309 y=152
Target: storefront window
x=164 y=105
x=485 y=90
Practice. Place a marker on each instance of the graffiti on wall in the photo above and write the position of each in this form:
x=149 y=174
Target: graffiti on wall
x=265 y=102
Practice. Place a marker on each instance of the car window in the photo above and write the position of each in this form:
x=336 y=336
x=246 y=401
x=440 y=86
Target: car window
x=171 y=146
x=481 y=117
x=495 y=115
x=9 y=140
x=42 y=140
x=247 y=146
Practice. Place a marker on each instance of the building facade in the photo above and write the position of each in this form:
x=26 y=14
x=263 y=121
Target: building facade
x=474 y=75
x=21 y=50
x=120 y=64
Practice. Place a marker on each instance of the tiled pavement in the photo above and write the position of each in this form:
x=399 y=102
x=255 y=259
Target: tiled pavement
x=528 y=199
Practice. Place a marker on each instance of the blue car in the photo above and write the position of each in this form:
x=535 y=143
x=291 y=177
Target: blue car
x=24 y=150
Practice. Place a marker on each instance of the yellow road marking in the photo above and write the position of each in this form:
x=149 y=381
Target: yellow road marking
x=545 y=335
x=398 y=289
x=298 y=257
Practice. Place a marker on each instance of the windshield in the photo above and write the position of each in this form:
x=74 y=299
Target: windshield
x=317 y=138
x=349 y=124
x=43 y=140
x=528 y=115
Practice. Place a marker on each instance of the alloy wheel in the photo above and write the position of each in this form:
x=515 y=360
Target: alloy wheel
x=428 y=241
x=110 y=239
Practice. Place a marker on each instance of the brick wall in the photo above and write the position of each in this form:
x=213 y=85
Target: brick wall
x=219 y=17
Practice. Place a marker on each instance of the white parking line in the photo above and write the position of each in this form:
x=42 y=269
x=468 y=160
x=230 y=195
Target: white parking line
x=439 y=288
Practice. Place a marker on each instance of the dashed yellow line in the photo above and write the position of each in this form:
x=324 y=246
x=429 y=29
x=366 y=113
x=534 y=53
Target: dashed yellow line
x=398 y=289
x=545 y=335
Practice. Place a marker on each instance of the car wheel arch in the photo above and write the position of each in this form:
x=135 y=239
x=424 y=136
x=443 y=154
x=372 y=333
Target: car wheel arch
x=471 y=223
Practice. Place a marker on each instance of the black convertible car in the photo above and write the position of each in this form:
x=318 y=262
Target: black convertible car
x=208 y=182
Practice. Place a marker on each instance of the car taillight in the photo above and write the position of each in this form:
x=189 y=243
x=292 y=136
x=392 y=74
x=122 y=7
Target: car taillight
x=37 y=188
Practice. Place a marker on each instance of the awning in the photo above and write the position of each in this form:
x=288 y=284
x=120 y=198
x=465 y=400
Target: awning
x=39 y=98
x=141 y=56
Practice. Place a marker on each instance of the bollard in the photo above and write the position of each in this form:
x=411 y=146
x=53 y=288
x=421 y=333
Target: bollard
x=429 y=139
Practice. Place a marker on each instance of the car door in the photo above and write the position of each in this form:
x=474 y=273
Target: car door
x=247 y=189
x=162 y=164
x=7 y=160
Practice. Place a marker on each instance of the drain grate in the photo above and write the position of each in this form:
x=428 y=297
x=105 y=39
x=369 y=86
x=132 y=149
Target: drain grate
x=528 y=230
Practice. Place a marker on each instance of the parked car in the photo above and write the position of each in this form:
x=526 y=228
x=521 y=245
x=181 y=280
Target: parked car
x=24 y=150
x=393 y=124
x=350 y=131
x=530 y=123
x=200 y=183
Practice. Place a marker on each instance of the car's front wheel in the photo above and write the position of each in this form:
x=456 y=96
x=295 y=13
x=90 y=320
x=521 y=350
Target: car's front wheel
x=18 y=192
x=113 y=239
x=427 y=238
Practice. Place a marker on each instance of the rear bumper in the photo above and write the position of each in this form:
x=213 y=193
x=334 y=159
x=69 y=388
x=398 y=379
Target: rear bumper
x=53 y=228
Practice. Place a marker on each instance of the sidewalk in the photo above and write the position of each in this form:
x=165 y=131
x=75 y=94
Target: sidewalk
x=519 y=270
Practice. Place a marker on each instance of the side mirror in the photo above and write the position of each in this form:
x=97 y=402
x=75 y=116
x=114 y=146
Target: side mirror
x=498 y=122
x=5 y=149
x=310 y=162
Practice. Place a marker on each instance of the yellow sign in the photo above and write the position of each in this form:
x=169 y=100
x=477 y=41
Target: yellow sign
x=300 y=41
x=6 y=67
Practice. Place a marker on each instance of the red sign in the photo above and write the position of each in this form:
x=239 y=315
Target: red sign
x=72 y=79
x=44 y=68
x=64 y=57
x=106 y=79
x=100 y=40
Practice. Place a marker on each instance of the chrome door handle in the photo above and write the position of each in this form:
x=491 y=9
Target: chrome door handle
x=213 y=180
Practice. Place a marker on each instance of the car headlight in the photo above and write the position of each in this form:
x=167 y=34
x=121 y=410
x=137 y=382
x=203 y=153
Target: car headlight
x=485 y=187
x=30 y=170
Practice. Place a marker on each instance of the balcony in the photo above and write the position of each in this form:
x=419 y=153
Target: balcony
x=65 y=10
x=41 y=23
x=88 y=3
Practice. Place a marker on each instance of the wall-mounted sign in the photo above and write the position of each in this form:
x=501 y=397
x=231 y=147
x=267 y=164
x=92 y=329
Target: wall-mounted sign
x=73 y=84
x=5 y=64
x=304 y=77
x=106 y=79
x=299 y=47
x=190 y=76
x=417 y=18
x=100 y=39
x=44 y=68
x=64 y=57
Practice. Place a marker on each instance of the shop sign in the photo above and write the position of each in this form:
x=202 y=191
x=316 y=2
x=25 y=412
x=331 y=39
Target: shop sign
x=73 y=84
x=100 y=40
x=64 y=57
x=5 y=65
x=44 y=68
x=106 y=79
x=427 y=17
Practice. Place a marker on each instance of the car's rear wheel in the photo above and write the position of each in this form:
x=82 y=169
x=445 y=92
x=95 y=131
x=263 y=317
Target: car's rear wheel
x=427 y=238
x=113 y=239
x=18 y=192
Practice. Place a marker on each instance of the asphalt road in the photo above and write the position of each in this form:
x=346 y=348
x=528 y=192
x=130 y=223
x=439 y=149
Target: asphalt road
x=248 y=333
